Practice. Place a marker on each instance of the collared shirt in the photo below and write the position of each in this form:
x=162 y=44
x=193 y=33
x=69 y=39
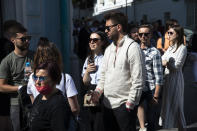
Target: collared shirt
x=122 y=74
x=154 y=70
x=94 y=75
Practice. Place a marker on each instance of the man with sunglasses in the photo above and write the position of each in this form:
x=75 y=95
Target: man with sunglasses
x=12 y=70
x=154 y=80
x=121 y=77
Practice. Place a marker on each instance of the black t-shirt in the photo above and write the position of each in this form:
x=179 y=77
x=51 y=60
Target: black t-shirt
x=50 y=115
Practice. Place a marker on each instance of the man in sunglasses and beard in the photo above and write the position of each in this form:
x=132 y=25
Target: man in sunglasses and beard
x=121 y=77
x=12 y=70
x=154 y=80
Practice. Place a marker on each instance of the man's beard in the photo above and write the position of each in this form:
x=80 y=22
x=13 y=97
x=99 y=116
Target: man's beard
x=23 y=47
x=114 y=38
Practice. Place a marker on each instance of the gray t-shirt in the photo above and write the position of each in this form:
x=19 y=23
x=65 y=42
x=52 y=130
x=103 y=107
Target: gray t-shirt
x=12 y=69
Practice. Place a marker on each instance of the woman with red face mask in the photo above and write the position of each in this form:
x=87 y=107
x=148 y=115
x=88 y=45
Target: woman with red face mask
x=47 y=51
x=50 y=110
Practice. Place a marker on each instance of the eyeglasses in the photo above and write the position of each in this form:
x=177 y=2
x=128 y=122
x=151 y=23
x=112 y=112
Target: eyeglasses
x=145 y=34
x=41 y=78
x=170 y=33
x=108 y=28
x=94 y=40
x=25 y=38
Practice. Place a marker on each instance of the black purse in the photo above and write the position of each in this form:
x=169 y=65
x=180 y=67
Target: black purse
x=25 y=108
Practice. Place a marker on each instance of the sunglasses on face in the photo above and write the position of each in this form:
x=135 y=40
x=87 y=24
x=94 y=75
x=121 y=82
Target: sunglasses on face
x=94 y=40
x=41 y=78
x=108 y=28
x=145 y=34
x=170 y=33
x=25 y=38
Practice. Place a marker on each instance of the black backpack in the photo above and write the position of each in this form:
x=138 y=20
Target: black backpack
x=25 y=108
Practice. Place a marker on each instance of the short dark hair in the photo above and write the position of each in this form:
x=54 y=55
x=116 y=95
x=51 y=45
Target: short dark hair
x=11 y=27
x=131 y=27
x=118 y=18
x=150 y=27
x=53 y=69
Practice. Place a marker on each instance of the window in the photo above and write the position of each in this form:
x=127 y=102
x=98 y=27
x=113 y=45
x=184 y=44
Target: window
x=144 y=19
x=102 y=2
x=113 y=1
x=192 y=13
x=167 y=16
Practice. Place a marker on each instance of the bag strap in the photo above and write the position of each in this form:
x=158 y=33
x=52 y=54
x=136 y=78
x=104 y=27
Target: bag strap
x=128 y=48
x=65 y=85
x=162 y=42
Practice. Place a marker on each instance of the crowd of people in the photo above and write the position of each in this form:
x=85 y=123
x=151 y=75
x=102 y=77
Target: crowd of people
x=130 y=72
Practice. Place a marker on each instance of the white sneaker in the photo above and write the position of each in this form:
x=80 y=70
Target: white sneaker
x=160 y=121
x=144 y=129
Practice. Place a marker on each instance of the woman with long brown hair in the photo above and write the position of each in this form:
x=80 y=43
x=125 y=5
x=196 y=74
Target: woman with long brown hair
x=173 y=91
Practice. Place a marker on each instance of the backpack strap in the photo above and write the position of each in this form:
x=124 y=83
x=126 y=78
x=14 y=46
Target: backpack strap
x=65 y=85
x=129 y=46
x=162 y=41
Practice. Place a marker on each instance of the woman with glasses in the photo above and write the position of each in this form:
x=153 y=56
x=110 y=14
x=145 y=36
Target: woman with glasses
x=173 y=92
x=97 y=43
x=50 y=110
x=163 y=42
x=47 y=51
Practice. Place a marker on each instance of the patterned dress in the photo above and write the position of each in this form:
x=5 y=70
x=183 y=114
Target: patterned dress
x=173 y=91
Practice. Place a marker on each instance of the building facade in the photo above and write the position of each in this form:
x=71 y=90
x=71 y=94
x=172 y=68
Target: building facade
x=185 y=11
x=47 y=18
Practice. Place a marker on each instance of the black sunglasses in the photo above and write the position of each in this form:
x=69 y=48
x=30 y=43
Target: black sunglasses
x=93 y=39
x=25 y=38
x=41 y=78
x=145 y=34
x=170 y=33
x=108 y=28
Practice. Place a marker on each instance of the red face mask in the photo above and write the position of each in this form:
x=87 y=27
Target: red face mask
x=44 y=89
